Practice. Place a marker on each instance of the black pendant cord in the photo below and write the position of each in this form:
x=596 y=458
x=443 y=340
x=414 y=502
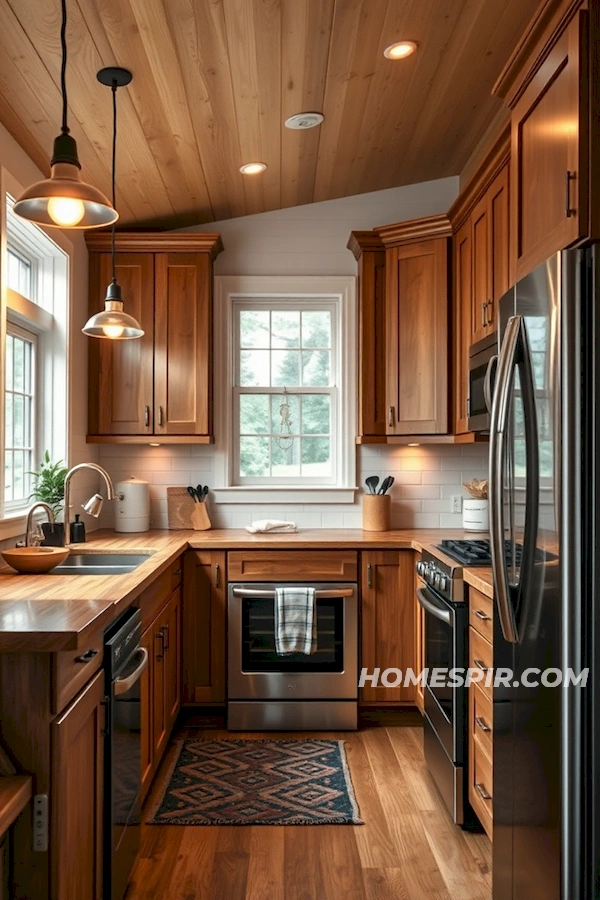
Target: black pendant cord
x=63 y=68
x=114 y=167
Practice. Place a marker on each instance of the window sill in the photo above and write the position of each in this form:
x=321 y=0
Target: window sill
x=12 y=525
x=303 y=494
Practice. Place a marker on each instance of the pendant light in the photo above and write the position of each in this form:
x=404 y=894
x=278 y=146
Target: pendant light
x=112 y=322
x=64 y=200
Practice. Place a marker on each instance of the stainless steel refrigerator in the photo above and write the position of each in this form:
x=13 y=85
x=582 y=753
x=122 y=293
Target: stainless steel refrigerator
x=544 y=536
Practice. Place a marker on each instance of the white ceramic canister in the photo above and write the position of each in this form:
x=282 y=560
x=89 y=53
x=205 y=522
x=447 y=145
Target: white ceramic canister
x=133 y=505
x=476 y=515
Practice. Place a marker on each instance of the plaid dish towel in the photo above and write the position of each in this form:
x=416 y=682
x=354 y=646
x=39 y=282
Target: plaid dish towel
x=295 y=620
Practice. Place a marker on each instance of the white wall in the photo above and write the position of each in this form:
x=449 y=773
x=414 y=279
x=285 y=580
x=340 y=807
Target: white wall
x=311 y=240
x=20 y=166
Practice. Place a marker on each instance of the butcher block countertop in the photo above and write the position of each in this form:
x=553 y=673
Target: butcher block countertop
x=481 y=580
x=55 y=612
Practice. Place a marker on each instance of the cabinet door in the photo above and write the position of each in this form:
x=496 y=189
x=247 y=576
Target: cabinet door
x=480 y=262
x=462 y=325
x=121 y=380
x=147 y=704
x=550 y=157
x=499 y=275
x=204 y=651
x=77 y=797
x=371 y=342
x=183 y=341
x=417 y=338
x=172 y=668
x=159 y=699
x=388 y=620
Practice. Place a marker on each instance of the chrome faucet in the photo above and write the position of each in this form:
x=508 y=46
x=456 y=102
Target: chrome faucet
x=93 y=505
x=27 y=542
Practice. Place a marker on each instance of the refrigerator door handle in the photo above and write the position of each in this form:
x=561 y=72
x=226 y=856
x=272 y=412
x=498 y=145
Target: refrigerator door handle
x=499 y=424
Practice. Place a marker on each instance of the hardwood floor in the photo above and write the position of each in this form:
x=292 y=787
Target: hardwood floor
x=408 y=848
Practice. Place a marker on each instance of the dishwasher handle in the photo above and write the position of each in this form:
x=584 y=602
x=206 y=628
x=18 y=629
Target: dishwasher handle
x=122 y=685
x=253 y=593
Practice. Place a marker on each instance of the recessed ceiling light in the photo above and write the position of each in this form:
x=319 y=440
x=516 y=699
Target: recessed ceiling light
x=400 y=50
x=413 y=445
x=252 y=168
x=302 y=121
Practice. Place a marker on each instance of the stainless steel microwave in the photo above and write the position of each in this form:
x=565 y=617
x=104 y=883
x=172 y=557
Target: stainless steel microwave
x=482 y=363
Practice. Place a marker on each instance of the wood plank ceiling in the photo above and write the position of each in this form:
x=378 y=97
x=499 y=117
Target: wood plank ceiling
x=214 y=81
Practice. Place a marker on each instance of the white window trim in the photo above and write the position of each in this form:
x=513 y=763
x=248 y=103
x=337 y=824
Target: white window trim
x=231 y=287
x=53 y=372
x=19 y=330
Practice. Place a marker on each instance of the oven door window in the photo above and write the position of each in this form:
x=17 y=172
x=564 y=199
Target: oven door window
x=258 y=639
x=439 y=654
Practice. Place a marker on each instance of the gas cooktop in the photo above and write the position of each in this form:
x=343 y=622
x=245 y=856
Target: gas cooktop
x=474 y=553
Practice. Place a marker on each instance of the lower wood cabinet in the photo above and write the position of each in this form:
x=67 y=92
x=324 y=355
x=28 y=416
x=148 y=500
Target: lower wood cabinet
x=161 y=685
x=204 y=615
x=387 y=621
x=481 y=711
x=419 y=642
x=76 y=832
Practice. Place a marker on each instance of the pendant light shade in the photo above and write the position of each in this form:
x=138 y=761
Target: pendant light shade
x=113 y=322
x=64 y=200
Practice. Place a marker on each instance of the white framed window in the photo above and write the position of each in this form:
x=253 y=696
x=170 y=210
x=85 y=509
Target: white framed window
x=20 y=406
x=34 y=273
x=285 y=370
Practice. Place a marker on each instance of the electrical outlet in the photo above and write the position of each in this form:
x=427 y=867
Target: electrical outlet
x=456 y=501
x=40 y=823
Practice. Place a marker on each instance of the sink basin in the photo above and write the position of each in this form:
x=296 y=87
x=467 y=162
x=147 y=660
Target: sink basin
x=100 y=563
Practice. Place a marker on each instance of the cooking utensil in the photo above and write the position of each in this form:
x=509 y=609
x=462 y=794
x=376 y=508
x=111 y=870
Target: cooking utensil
x=204 y=493
x=386 y=485
x=371 y=482
x=193 y=494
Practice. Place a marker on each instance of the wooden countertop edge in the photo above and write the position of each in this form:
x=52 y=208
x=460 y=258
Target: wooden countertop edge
x=42 y=634
x=15 y=794
x=481 y=580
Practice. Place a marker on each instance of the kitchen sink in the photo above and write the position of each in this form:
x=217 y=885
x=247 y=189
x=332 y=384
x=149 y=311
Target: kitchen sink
x=100 y=563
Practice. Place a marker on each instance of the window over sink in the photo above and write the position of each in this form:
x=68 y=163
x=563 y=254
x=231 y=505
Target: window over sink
x=287 y=431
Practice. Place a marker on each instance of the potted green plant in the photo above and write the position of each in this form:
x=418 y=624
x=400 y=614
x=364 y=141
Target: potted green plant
x=49 y=487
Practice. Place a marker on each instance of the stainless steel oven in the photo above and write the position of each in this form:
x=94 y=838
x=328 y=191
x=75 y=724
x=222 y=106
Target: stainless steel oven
x=298 y=691
x=440 y=594
x=483 y=357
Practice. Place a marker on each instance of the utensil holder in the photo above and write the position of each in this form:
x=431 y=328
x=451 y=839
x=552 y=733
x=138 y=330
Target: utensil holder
x=376 y=512
x=199 y=518
x=186 y=513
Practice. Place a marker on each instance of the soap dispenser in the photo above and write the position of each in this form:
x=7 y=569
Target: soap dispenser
x=77 y=531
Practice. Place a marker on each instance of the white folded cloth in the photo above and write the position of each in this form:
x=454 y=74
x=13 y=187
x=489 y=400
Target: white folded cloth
x=295 y=620
x=277 y=526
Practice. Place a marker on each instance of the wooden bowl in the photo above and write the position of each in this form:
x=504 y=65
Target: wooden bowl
x=35 y=560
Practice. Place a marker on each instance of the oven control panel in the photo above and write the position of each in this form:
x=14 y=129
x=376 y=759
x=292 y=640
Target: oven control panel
x=445 y=579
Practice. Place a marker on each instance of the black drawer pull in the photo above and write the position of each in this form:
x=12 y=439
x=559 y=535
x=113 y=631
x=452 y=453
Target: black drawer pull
x=87 y=656
x=177 y=572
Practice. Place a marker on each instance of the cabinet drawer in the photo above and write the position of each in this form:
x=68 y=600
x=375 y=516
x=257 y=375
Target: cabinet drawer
x=482 y=719
x=481 y=789
x=292 y=565
x=152 y=600
x=74 y=668
x=481 y=614
x=481 y=656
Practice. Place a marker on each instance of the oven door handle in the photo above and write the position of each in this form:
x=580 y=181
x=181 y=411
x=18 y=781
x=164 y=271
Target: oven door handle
x=253 y=593
x=440 y=612
x=122 y=685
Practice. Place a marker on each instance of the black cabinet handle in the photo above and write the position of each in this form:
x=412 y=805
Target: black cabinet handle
x=165 y=637
x=146 y=416
x=217 y=575
x=369 y=575
x=87 y=656
x=569 y=211
x=177 y=572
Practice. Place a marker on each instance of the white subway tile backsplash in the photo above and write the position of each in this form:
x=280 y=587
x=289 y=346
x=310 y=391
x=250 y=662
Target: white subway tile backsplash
x=425 y=479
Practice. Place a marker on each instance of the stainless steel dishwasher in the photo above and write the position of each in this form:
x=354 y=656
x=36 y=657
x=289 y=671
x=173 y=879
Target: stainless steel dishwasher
x=124 y=663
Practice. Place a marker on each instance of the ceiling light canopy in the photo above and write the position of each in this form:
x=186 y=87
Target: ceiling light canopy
x=303 y=121
x=113 y=323
x=64 y=200
x=253 y=168
x=400 y=50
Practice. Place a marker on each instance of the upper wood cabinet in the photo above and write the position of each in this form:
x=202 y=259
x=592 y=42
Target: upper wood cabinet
x=160 y=385
x=369 y=251
x=416 y=325
x=462 y=314
x=550 y=84
x=490 y=239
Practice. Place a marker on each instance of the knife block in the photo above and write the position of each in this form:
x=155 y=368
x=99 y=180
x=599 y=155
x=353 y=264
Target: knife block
x=376 y=512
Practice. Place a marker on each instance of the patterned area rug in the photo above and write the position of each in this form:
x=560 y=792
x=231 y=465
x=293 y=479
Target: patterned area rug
x=236 y=782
